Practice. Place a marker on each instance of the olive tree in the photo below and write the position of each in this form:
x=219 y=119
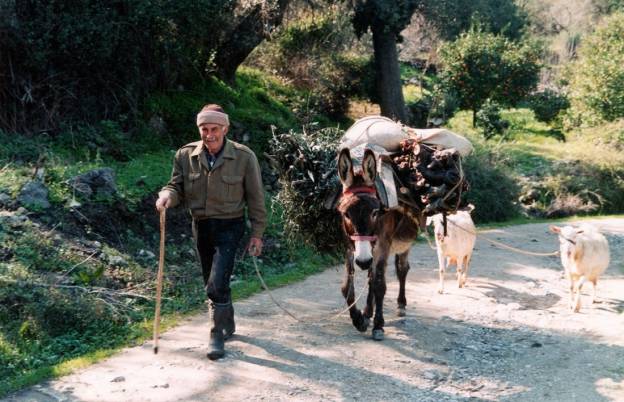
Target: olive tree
x=385 y=19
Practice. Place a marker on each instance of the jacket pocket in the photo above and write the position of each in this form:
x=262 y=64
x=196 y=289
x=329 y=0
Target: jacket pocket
x=193 y=188
x=233 y=188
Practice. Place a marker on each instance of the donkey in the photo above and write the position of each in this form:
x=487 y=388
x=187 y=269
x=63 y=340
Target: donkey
x=374 y=234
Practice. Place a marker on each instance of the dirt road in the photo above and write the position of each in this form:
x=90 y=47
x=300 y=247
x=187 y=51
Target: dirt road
x=508 y=336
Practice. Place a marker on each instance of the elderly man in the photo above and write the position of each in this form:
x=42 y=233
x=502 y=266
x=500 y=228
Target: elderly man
x=215 y=178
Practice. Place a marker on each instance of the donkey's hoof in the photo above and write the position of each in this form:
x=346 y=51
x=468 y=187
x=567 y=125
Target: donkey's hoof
x=401 y=311
x=362 y=325
x=378 y=334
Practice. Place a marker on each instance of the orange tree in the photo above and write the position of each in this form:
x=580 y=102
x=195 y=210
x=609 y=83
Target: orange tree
x=480 y=65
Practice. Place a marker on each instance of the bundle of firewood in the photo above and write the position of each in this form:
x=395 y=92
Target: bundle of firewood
x=430 y=179
x=306 y=165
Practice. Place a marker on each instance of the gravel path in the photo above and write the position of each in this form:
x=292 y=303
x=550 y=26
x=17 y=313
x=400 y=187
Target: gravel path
x=508 y=335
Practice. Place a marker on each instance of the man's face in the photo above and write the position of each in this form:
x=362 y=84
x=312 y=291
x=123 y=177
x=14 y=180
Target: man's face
x=212 y=135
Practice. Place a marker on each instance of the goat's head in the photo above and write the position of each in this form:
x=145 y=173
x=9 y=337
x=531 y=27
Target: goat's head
x=568 y=236
x=359 y=205
x=437 y=221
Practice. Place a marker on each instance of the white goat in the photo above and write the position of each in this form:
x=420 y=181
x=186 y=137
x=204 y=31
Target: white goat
x=456 y=247
x=584 y=255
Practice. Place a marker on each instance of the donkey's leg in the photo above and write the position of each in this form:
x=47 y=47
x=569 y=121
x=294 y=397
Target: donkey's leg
x=401 y=264
x=359 y=321
x=379 y=288
x=368 y=310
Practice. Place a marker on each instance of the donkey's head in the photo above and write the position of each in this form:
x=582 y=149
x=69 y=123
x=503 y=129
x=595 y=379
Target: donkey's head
x=359 y=205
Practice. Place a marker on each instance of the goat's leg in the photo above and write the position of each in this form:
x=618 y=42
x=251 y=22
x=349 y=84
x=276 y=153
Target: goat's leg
x=379 y=288
x=577 y=297
x=465 y=273
x=401 y=263
x=460 y=272
x=359 y=321
x=571 y=279
x=594 y=285
x=441 y=266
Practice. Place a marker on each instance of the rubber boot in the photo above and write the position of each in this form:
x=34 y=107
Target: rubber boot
x=219 y=316
x=229 y=327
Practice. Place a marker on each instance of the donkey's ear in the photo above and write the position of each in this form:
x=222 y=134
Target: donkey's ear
x=369 y=167
x=345 y=168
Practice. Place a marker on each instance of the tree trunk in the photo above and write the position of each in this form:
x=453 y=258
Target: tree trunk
x=251 y=29
x=388 y=75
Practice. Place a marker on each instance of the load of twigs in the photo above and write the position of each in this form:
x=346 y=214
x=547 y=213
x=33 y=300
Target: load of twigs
x=306 y=165
x=430 y=179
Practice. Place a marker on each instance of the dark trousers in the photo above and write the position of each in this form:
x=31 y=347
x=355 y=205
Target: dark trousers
x=216 y=241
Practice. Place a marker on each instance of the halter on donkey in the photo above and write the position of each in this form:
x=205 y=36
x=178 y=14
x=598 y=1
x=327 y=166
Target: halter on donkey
x=374 y=234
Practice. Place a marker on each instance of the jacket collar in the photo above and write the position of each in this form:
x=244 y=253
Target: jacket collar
x=228 y=153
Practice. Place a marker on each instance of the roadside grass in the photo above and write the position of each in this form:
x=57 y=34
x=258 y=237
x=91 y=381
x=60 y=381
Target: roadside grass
x=584 y=174
x=32 y=349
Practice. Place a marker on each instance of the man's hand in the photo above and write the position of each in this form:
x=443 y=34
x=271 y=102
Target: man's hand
x=255 y=246
x=163 y=201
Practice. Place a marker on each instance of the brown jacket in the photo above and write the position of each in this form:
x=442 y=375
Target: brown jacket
x=220 y=192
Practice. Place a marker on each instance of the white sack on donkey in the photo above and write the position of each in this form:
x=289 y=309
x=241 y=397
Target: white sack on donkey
x=457 y=245
x=584 y=255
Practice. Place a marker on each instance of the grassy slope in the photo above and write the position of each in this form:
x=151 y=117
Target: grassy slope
x=589 y=164
x=30 y=349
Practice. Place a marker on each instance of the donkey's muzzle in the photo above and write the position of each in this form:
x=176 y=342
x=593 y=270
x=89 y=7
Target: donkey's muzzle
x=364 y=264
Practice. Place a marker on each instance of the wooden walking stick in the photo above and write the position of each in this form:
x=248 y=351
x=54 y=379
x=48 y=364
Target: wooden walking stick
x=161 y=265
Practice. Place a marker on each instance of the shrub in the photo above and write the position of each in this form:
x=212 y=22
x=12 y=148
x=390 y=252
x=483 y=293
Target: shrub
x=596 y=78
x=490 y=120
x=315 y=54
x=492 y=190
x=480 y=65
x=65 y=61
x=547 y=104
x=419 y=111
x=444 y=103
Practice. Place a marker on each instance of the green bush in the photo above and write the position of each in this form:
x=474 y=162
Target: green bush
x=444 y=102
x=488 y=118
x=451 y=18
x=596 y=78
x=419 y=111
x=547 y=104
x=254 y=105
x=492 y=189
x=67 y=61
x=480 y=65
x=340 y=78
x=315 y=53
